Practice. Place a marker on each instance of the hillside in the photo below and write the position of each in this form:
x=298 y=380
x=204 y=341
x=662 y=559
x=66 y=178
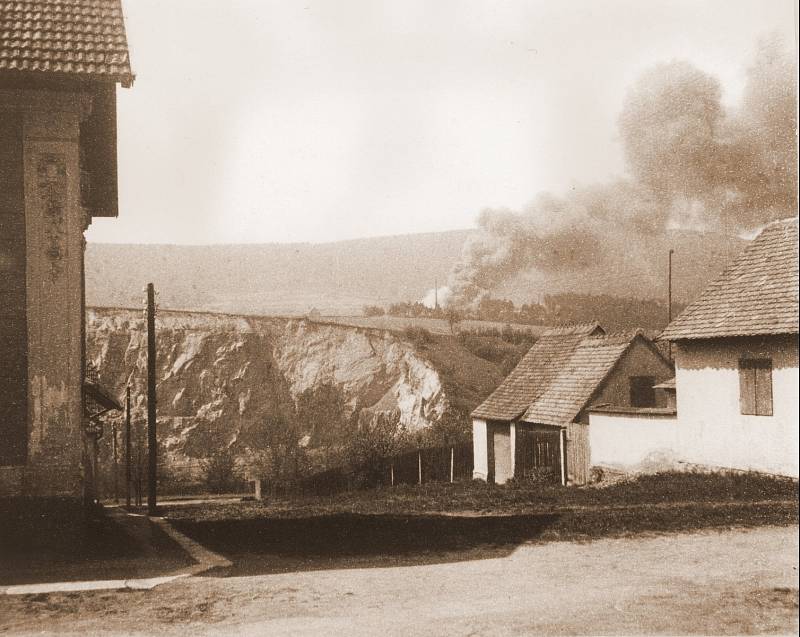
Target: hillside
x=341 y=277
x=336 y=278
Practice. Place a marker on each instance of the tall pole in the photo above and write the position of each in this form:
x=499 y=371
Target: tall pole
x=128 y=446
x=669 y=288
x=116 y=463
x=669 y=298
x=435 y=294
x=152 y=451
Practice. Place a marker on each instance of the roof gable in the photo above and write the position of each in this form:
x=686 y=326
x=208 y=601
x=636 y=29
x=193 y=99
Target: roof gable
x=84 y=39
x=558 y=376
x=756 y=295
x=529 y=378
x=578 y=379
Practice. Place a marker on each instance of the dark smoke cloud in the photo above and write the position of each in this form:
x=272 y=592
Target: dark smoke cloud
x=690 y=163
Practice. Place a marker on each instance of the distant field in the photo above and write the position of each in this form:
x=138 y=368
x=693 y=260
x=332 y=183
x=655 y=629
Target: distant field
x=433 y=325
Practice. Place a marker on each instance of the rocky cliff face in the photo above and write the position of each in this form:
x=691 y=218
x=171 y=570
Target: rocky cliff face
x=222 y=379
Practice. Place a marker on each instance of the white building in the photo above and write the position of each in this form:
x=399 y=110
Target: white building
x=736 y=360
x=736 y=378
x=536 y=423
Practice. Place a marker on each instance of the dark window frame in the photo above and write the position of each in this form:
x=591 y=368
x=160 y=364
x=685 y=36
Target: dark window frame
x=642 y=384
x=755 y=387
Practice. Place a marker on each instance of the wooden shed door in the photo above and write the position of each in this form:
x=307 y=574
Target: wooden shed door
x=539 y=455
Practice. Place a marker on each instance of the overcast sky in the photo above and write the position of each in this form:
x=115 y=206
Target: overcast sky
x=278 y=121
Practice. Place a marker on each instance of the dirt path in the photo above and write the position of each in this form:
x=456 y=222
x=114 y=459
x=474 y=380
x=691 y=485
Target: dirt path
x=728 y=582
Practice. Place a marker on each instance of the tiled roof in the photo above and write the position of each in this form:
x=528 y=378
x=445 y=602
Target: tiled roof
x=533 y=373
x=575 y=329
x=577 y=379
x=756 y=295
x=79 y=38
x=102 y=397
x=555 y=379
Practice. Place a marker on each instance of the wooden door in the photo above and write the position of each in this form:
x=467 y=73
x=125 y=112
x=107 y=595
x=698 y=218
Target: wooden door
x=538 y=455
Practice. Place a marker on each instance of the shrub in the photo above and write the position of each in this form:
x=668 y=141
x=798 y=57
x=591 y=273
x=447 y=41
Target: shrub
x=220 y=472
x=373 y=310
x=378 y=436
x=418 y=335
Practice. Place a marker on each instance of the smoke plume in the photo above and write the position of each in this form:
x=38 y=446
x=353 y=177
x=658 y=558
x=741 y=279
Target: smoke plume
x=689 y=163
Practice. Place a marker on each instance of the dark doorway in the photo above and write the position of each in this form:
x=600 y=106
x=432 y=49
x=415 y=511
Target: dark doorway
x=538 y=454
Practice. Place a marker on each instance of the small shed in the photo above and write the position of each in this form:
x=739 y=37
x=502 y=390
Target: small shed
x=535 y=424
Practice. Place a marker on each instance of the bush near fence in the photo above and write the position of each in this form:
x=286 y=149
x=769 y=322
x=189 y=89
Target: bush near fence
x=432 y=464
x=404 y=468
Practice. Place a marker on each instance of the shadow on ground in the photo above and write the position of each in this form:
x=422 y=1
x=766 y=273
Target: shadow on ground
x=349 y=540
x=73 y=547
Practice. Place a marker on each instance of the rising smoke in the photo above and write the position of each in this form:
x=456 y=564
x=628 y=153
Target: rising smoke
x=690 y=164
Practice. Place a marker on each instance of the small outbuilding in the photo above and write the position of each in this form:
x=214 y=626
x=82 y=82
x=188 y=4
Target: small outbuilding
x=535 y=424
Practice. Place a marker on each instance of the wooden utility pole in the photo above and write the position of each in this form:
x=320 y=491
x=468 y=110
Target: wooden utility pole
x=128 y=446
x=139 y=461
x=116 y=463
x=452 y=458
x=152 y=441
x=669 y=299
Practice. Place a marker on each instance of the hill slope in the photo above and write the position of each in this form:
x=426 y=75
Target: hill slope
x=336 y=278
x=342 y=277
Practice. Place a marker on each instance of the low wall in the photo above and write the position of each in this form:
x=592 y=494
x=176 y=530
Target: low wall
x=631 y=439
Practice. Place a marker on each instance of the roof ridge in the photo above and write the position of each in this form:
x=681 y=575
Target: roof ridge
x=573 y=329
x=778 y=222
x=756 y=293
x=632 y=333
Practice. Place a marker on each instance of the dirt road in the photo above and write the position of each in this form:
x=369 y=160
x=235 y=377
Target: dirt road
x=728 y=582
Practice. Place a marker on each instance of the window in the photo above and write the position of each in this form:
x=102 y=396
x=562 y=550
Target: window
x=642 y=392
x=755 y=386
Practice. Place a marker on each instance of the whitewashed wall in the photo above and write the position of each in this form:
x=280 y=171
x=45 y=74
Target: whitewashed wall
x=480 y=469
x=712 y=431
x=501 y=435
x=625 y=440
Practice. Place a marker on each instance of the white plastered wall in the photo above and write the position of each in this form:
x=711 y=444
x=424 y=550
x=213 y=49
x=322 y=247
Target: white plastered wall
x=711 y=429
x=626 y=440
x=480 y=450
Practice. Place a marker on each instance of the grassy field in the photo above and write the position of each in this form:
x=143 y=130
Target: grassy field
x=454 y=522
x=478 y=497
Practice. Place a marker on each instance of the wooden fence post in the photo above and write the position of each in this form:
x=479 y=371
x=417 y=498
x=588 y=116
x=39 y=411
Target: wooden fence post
x=391 y=474
x=452 y=454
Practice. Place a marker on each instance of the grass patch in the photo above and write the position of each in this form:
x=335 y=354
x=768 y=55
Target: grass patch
x=272 y=544
x=430 y=523
x=477 y=497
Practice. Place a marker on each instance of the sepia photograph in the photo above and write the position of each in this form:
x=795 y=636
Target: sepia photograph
x=399 y=317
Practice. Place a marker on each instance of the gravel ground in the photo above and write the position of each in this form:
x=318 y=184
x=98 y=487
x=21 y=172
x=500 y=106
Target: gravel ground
x=711 y=582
